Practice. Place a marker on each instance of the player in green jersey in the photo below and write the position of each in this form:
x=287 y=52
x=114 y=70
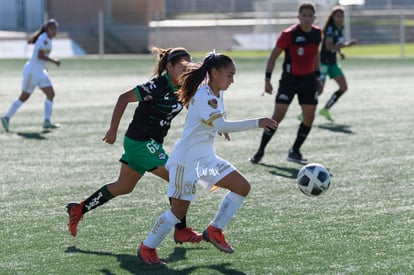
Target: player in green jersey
x=143 y=151
x=333 y=42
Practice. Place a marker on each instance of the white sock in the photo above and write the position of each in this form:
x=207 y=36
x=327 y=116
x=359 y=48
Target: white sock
x=48 y=109
x=161 y=228
x=13 y=108
x=229 y=206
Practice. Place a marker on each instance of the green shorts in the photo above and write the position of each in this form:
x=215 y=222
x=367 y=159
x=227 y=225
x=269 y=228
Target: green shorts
x=142 y=156
x=332 y=70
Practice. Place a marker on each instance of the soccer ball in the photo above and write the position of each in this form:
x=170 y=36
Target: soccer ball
x=313 y=179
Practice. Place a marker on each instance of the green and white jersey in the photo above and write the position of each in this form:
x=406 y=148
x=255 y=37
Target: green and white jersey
x=333 y=33
x=158 y=105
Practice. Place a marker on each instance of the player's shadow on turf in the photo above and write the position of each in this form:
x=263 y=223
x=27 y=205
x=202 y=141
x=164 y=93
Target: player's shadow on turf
x=132 y=264
x=286 y=172
x=337 y=128
x=34 y=135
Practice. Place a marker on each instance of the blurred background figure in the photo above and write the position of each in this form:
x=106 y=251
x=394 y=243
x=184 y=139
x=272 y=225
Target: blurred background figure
x=35 y=74
x=333 y=42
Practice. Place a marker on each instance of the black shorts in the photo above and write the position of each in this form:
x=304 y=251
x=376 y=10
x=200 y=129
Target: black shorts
x=304 y=86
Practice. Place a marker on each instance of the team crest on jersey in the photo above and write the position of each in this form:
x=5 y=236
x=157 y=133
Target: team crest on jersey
x=213 y=103
x=301 y=51
x=45 y=42
x=161 y=155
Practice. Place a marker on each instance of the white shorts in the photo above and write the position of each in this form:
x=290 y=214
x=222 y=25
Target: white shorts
x=207 y=173
x=33 y=79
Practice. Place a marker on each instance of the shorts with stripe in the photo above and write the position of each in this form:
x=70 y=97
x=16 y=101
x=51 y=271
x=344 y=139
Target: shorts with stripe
x=206 y=172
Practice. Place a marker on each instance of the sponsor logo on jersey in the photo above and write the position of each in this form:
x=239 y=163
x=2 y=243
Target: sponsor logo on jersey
x=300 y=39
x=145 y=88
x=213 y=103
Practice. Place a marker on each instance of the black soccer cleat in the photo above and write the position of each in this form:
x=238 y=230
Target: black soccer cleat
x=257 y=157
x=296 y=156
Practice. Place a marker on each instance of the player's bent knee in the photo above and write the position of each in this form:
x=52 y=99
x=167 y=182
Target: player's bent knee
x=243 y=189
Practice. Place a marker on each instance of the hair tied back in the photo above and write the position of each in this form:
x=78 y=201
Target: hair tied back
x=211 y=55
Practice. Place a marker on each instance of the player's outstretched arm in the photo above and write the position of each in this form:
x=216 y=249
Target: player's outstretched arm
x=226 y=126
x=121 y=104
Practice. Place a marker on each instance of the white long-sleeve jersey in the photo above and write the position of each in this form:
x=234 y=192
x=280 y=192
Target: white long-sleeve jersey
x=205 y=118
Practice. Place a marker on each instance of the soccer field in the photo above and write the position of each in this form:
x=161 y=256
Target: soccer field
x=362 y=225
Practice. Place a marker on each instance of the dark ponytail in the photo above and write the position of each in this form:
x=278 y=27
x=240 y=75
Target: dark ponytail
x=173 y=55
x=193 y=78
x=43 y=28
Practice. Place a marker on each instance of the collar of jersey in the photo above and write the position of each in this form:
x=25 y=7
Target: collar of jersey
x=174 y=88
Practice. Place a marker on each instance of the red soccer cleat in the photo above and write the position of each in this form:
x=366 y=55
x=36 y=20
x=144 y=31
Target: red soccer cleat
x=149 y=255
x=215 y=236
x=75 y=215
x=187 y=235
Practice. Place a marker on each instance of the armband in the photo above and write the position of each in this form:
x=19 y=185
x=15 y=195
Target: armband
x=268 y=75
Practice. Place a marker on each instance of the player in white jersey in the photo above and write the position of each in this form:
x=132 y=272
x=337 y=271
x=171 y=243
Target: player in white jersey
x=193 y=158
x=35 y=74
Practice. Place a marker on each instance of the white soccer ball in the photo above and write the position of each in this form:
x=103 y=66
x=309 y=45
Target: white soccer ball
x=313 y=179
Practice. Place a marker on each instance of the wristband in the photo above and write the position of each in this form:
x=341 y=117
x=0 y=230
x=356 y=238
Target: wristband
x=268 y=75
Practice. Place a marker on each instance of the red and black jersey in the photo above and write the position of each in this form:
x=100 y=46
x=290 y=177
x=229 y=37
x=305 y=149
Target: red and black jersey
x=301 y=49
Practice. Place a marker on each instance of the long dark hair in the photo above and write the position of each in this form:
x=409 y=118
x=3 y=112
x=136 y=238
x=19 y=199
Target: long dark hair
x=330 y=19
x=43 y=28
x=173 y=55
x=191 y=80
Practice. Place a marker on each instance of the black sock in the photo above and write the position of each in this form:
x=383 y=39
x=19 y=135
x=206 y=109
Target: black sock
x=267 y=135
x=334 y=98
x=183 y=222
x=301 y=136
x=97 y=199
